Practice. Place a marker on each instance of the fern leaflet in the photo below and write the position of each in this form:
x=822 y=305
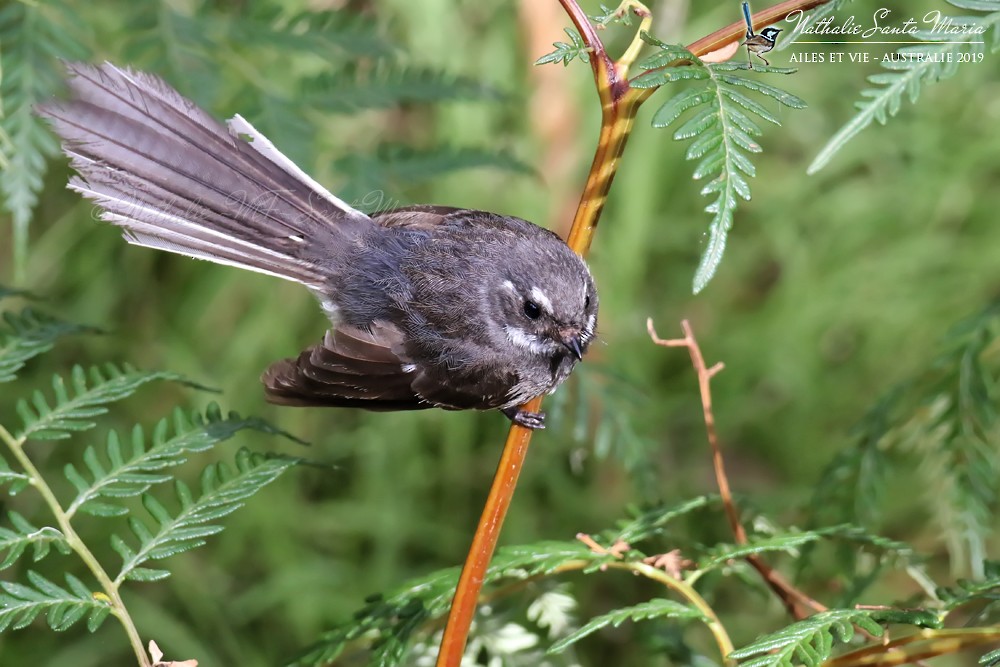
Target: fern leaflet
x=21 y=604
x=16 y=480
x=41 y=540
x=723 y=131
x=912 y=68
x=652 y=521
x=391 y=88
x=810 y=641
x=756 y=545
x=566 y=53
x=88 y=393
x=28 y=334
x=657 y=608
x=32 y=35
x=134 y=473
x=223 y=491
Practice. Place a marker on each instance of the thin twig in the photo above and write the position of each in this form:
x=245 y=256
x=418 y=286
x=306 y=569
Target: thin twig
x=796 y=602
x=676 y=584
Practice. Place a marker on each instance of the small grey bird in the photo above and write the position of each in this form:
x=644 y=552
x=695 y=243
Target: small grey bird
x=431 y=306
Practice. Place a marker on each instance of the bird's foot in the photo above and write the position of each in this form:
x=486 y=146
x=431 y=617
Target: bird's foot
x=532 y=420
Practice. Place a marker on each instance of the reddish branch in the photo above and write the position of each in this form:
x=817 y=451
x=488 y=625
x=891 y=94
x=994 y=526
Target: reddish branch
x=796 y=602
x=619 y=105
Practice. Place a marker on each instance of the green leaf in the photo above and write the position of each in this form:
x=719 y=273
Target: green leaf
x=21 y=604
x=28 y=334
x=566 y=53
x=33 y=35
x=991 y=659
x=16 y=480
x=722 y=130
x=918 y=65
x=810 y=641
x=653 y=521
x=656 y=608
x=13 y=543
x=391 y=164
x=678 y=104
x=721 y=554
x=946 y=418
x=391 y=619
x=392 y=88
x=131 y=474
x=85 y=397
x=223 y=490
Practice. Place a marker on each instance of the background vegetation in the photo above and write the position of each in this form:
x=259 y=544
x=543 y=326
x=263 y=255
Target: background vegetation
x=835 y=288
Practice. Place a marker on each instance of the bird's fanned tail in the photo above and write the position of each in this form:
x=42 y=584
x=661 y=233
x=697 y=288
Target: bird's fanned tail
x=176 y=179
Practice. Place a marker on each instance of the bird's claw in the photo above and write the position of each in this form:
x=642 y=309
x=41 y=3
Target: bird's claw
x=532 y=420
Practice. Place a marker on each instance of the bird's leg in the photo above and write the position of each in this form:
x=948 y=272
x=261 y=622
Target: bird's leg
x=762 y=58
x=532 y=420
x=749 y=62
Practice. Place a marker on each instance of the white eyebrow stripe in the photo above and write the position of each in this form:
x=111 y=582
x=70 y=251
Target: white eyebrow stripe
x=539 y=297
x=509 y=285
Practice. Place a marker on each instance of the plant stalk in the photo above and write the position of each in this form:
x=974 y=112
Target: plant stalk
x=118 y=610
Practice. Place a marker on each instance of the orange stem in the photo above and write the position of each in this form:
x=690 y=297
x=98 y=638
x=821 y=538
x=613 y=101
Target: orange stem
x=619 y=105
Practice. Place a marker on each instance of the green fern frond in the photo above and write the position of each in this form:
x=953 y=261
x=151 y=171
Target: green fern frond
x=910 y=70
x=223 y=491
x=859 y=537
x=850 y=486
x=723 y=131
x=28 y=334
x=132 y=474
x=393 y=87
x=85 y=397
x=392 y=618
x=21 y=604
x=656 y=608
x=944 y=419
x=566 y=53
x=789 y=542
x=952 y=430
x=16 y=481
x=614 y=434
x=33 y=36
x=965 y=591
x=991 y=659
x=653 y=521
x=329 y=34
x=810 y=642
x=13 y=543
x=392 y=165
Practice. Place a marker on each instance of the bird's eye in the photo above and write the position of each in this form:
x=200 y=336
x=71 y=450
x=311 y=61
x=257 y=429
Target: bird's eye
x=532 y=310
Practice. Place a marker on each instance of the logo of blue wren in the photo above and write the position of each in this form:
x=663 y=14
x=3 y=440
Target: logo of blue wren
x=758 y=44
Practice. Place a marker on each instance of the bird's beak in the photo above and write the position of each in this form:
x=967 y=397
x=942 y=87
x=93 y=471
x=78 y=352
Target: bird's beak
x=572 y=343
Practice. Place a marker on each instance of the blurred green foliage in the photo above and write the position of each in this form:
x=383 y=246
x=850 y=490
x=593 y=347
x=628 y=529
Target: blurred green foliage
x=835 y=288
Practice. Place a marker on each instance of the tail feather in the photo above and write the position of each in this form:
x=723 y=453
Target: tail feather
x=175 y=179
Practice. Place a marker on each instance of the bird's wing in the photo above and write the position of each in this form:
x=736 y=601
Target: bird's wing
x=350 y=368
x=358 y=368
x=414 y=217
